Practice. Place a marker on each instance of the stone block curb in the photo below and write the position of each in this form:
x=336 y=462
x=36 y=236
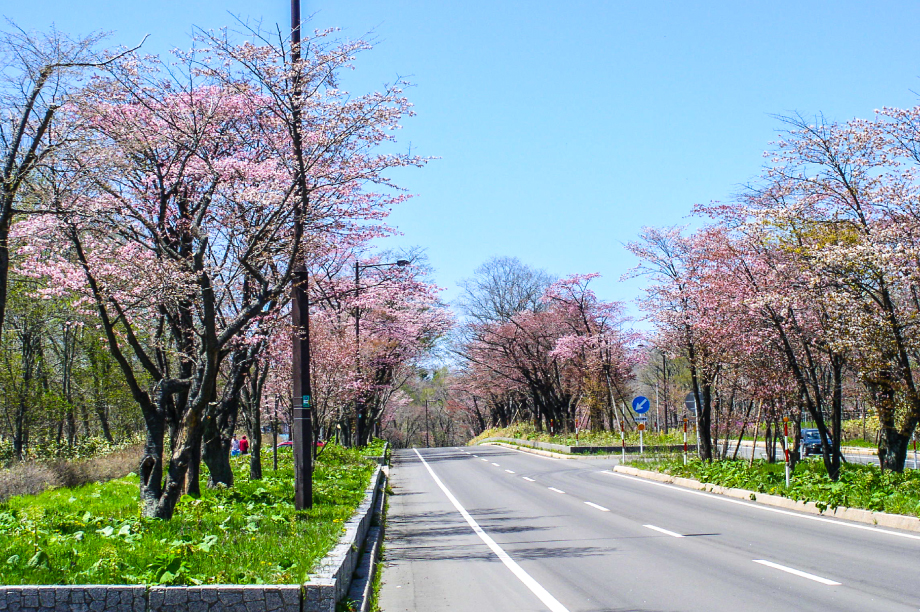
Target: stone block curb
x=363 y=582
x=881 y=519
x=76 y=598
x=329 y=584
x=324 y=589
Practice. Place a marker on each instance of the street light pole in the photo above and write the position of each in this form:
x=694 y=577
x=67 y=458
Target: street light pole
x=302 y=431
x=360 y=420
x=664 y=389
x=427 y=445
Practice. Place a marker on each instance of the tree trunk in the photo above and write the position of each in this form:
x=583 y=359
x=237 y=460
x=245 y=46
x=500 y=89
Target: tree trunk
x=151 y=467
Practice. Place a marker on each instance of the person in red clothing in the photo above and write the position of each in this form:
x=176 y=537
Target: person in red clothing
x=244 y=445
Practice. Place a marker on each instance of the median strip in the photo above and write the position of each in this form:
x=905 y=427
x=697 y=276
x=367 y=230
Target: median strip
x=795 y=572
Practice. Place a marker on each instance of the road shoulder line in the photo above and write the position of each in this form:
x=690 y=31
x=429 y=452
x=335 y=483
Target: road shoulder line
x=791 y=507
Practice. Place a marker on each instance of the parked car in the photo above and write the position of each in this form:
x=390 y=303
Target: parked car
x=289 y=443
x=811 y=442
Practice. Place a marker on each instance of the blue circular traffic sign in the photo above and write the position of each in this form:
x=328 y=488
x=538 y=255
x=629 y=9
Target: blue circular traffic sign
x=641 y=405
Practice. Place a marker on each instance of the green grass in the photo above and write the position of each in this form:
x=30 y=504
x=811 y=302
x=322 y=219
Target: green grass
x=585 y=438
x=860 y=486
x=248 y=534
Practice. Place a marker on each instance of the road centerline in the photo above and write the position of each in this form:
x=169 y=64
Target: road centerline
x=510 y=471
x=528 y=479
x=795 y=572
x=556 y=490
x=535 y=587
x=601 y=508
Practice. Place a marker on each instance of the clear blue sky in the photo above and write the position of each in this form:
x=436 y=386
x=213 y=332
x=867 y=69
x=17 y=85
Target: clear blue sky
x=564 y=127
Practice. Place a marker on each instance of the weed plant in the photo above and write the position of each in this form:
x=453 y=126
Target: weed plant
x=860 y=486
x=247 y=534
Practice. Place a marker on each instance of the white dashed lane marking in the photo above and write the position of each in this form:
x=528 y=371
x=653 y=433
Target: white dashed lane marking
x=673 y=534
x=796 y=572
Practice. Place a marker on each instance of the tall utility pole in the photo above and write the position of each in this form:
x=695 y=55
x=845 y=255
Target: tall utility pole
x=302 y=433
x=426 y=425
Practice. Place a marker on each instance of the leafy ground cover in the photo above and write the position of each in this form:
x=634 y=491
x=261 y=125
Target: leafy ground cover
x=585 y=438
x=247 y=534
x=860 y=486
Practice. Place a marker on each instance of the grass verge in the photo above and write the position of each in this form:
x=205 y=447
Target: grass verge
x=247 y=534
x=585 y=438
x=860 y=486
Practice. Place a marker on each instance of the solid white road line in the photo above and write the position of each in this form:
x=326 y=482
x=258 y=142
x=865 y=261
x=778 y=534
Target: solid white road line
x=796 y=572
x=664 y=531
x=548 y=600
x=509 y=471
x=601 y=508
x=495 y=464
x=756 y=506
x=528 y=479
x=555 y=489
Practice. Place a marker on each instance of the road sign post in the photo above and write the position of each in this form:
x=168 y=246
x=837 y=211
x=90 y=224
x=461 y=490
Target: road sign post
x=641 y=443
x=915 y=450
x=685 y=440
x=786 y=446
x=623 y=439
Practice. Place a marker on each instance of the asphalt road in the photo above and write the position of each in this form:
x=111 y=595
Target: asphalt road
x=493 y=529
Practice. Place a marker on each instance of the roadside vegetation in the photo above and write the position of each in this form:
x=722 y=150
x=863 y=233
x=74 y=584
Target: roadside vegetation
x=525 y=431
x=248 y=534
x=859 y=486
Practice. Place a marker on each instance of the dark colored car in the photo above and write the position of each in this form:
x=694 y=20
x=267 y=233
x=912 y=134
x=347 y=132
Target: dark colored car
x=811 y=442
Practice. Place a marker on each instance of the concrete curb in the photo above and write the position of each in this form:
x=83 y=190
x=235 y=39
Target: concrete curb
x=533 y=451
x=324 y=589
x=881 y=519
x=330 y=583
x=363 y=582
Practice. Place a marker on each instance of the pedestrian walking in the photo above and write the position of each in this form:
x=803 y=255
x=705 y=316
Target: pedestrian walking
x=244 y=445
x=234 y=447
